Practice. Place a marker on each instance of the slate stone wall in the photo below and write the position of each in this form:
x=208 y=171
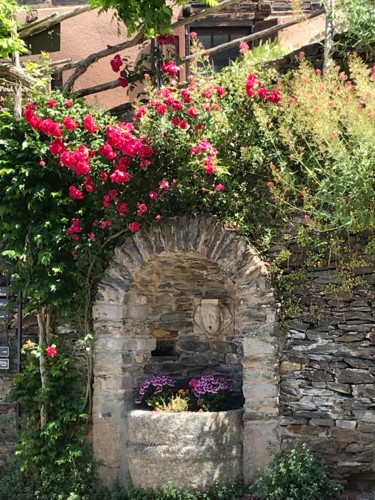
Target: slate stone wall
x=327 y=361
x=310 y=377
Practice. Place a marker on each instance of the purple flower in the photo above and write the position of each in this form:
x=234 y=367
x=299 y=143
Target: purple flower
x=209 y=384
x=153 y=386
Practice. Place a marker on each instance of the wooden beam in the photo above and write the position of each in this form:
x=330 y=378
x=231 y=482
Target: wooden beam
x=255 y=36
x=13 y=75
x=83 y=64
x=47 y=22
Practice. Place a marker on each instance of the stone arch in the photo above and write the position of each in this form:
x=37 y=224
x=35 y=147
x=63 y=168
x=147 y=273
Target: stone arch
x=124 y=342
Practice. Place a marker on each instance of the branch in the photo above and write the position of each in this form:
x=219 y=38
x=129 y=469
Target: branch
x=255 y=36
x=52 y=64
x=121 y=108
x=14 y=75
x=47 y=22
x=203 y=13
x=83 y=65
x=97 y=88
x=37 y=22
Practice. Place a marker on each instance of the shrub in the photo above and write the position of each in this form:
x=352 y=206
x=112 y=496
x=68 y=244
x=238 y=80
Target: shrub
x=235 y=490
x=296 y=475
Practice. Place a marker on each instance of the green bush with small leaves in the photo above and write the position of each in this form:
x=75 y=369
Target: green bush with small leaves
x=15 y=486
x=296 y=475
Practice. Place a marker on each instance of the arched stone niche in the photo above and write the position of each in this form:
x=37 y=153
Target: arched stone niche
x=186 y=304
x=186 y=297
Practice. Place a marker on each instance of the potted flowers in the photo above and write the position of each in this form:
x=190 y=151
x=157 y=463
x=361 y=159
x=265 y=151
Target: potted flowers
x=208 y=393
x=191 y=437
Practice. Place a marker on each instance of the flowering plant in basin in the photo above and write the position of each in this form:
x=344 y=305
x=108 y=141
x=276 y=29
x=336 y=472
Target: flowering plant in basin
x=207 y=393
x=211 y=392
x=156 y=391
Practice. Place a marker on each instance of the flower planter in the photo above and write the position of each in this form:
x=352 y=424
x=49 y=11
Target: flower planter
x=192 y=450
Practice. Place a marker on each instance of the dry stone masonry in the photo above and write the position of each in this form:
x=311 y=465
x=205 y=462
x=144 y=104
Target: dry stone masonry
x=327 y=363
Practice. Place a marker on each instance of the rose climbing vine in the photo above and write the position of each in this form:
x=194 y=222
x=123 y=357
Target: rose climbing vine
x=245 y=145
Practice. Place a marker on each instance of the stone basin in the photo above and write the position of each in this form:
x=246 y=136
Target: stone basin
x=190 y=449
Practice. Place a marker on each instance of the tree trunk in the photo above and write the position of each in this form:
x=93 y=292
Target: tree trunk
x=44 y=322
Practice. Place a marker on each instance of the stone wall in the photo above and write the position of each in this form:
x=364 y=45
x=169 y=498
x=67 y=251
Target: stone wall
x=327 y=362
x=7 y=423
x=202 y=288
x=310 y=377
x=167 y=297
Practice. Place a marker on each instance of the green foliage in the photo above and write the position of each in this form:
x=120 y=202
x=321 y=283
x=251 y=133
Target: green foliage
x=356 y=18
x=296 y=475
x=9 y=40
x=36 y=209
x=16 y=486
x=54 y=483
x=54 y=459
x=229 y=124
x=153 y=15
x=322 y=134
x=370 y=247
x=232 y=491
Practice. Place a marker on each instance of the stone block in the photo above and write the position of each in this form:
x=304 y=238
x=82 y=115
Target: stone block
x=355 y=376
x=192 y=450
x=287 y=366
x=139 y=344
x=346 y=424
x=366 y=427
x=136 y=312
x=258 y=348
x=259 y=392
x=364 y=391
x=365 y=415
x=192 y=346
x=106 y=443
x=109 y=476
x=107 y=362
x=322 y=422
x=109 y=343
x=107 y=311
x=260 y=443
x=266 y=373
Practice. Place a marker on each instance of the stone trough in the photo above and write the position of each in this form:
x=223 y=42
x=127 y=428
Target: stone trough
x=192 y=450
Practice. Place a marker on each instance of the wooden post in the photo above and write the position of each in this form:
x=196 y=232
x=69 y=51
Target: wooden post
x=329 y=33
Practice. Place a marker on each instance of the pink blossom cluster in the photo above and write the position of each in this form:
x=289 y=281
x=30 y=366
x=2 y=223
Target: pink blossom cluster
x=165 y=39
x=108 y=168
x=170 y=68
x=255 y=88
x=116 y=63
